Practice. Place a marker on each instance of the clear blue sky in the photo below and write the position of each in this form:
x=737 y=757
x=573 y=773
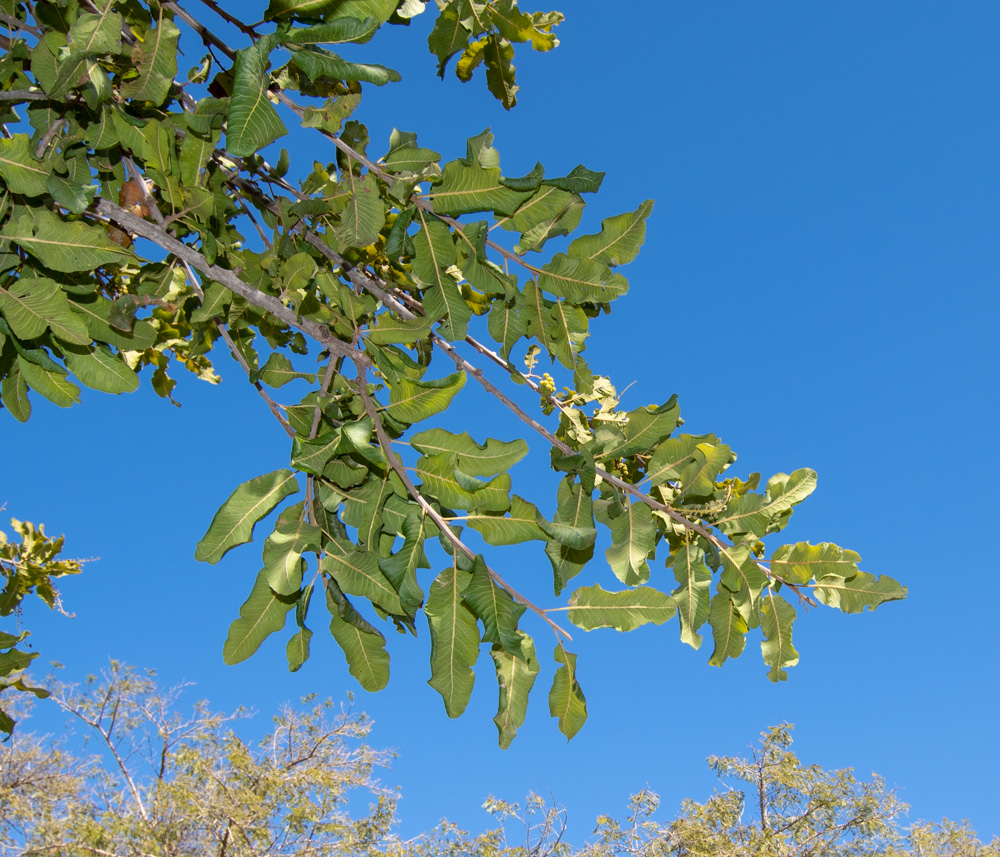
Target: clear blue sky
x=818 y=285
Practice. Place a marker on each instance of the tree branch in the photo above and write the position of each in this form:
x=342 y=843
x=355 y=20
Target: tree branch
x=396 y=464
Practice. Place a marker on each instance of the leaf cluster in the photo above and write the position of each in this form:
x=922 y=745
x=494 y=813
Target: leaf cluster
x=27 y=566
x=142 y=226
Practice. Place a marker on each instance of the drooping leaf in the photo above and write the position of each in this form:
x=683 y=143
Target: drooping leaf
x=516 y=675
x=52 y=385
x=454 y=639
x=293 y=535
x=357 y=573
x=728 y=628
x=566 y=699
x=363 y=218
x=573 y=523
x=593 y=607
x=633 y=536
x=494 y=606
x=776 y=618
x=262 y=614
x=155 y=58
x=362 y=644
x=691 y=596
x=253 y=121
x=234 y=522
x=297 y=649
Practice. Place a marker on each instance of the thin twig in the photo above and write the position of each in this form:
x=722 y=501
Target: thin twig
x=275 y=408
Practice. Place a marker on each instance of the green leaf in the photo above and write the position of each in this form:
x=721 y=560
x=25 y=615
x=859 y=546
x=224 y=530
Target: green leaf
x=155 y=58
x=14 y=391
x=401 y=567
x=19 y=169
x=391 y=330
x=691 y=596
x=776 y=618
x=495 y=607
x=593 y=607
x=441 y=479
x=573 y=523
x=357 y=573
x=647 y=427
x=101 y=370
x=234 y=522
x=498 y=54
x=619 y=240
x=278 y=371
x=253 y=122
x=802 y=562
x=853 y=594
x=566 y=699
x=435 y=254
x=33 y=304
x=517 y=26
x=579 y=180
x=495 y=456
x=454 y=639
x=448 y=37
x=64 y=246
x=519 y=525
x=293 y=535
x=633 y=537
x=50 y=384
x=312 y=455
x=580 y=280
x=297 y=649
x=549 y=213
x=363 y=218
x=337 y=31
x=758 y=515
x=466 y=187
x=728 y=628
x=743 y=577
x=707 y=461
x=566 y=562
x=262 y=614
x=516 y=675
x=411 y=401
x=672 y=455
x=319 y=63
x=362 y=644
x=95 y=315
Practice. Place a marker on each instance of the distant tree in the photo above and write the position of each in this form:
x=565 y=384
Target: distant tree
x=165 y=784
x=142 y=227
x=28 y=565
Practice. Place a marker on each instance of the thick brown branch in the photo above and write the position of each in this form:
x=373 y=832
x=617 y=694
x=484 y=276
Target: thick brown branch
x=158 y=235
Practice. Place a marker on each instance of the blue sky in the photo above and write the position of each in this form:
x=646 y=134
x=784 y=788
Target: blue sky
x=819 y=287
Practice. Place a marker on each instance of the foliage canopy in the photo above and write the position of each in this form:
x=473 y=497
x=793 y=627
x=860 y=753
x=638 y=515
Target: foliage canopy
x=162 y=780
x=142 y=228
